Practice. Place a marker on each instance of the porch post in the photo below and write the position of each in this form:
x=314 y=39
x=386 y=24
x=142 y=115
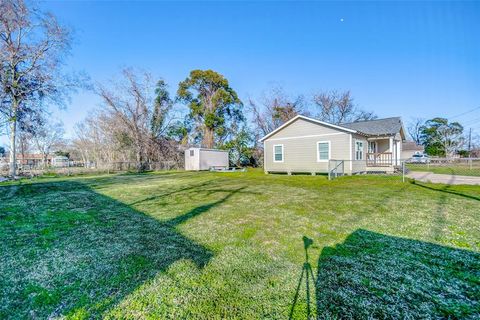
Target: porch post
x=391 y=148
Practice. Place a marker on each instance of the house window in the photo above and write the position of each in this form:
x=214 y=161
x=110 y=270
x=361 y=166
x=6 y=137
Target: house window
x=358 y=150
x=323 y=150
x=278 y=153
x=192 y=153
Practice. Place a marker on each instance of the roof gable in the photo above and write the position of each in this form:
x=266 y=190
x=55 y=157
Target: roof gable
x=318 y=122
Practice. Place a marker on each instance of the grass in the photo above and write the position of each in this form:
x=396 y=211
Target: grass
x=238 y=245
x=455 y=169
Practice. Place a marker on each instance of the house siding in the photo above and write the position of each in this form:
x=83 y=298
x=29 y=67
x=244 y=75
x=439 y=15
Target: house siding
x=359 y=166
x=383 y=146
x=299 y=140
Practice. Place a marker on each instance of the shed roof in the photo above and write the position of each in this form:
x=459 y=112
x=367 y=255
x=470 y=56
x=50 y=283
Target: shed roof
x=206 y=149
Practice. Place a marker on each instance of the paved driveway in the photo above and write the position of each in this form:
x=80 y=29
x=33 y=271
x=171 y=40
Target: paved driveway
x=443 y=178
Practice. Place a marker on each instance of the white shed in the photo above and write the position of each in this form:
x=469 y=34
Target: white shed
x=204 y=159
x=60 y=162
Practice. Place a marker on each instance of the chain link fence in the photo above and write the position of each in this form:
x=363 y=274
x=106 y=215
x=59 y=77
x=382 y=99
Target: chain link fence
x=459 y=166
x=78 y=167
x=441 y=170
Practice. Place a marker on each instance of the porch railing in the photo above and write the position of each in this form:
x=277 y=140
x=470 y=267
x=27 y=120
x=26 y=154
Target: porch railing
x=384 y=159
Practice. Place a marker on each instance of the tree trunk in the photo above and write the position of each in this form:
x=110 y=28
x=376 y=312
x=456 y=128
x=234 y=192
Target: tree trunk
x=13 y=147
x=208 y=141
x=45 y=160
x=22 y=149
x=139 y=157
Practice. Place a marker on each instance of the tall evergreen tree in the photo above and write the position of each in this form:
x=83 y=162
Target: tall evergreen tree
x=214 y=106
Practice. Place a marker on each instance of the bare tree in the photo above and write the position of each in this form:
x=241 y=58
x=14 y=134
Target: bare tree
x=338 y=107
x=475 y=146
x=274 y=108
x=415 y=130
x=32 y=47
x=130 y=101
x=132 y=125
x=81 y=143
x=46 y=137
x=96 y=138
x=3 y=125
x=24 y=144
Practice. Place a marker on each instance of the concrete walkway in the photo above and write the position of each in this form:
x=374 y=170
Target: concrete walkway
x=443 y=178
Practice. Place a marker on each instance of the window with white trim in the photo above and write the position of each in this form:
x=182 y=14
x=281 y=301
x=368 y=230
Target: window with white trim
x=278 y=153
x=192 y=153
x=323 y=150
x=358 y=150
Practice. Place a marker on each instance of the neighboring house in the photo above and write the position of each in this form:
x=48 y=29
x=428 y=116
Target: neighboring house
x=409 y=148
x=308 y=145
x=31 y=159
x=475 y=153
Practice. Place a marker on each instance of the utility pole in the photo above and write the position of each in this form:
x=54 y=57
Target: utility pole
x=470 y=143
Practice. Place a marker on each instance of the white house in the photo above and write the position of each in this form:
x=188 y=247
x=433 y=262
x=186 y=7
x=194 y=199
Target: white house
x=304 y=144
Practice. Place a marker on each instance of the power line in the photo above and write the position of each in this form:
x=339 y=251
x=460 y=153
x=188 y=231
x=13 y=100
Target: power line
x=471 y=122
x=464 y=113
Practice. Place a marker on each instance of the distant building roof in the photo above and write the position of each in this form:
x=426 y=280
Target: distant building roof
x=377 y=127
x=411 y=145
x=60 y=158
x=29 y=156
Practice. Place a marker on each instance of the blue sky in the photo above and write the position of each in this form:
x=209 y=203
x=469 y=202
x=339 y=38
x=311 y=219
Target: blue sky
x=413 y=59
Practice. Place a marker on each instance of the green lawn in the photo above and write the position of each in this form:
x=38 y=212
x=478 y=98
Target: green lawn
x=232 y=245
x=445 y=168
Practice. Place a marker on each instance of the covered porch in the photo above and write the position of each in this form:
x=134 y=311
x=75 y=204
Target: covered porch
x=383 y=152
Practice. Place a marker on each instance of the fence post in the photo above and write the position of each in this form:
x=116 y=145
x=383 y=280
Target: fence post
x=403 y=171
x=329 y=178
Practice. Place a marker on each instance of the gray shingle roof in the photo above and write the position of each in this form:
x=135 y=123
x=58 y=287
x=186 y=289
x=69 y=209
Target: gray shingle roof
x=387 y=126
x=410 y=145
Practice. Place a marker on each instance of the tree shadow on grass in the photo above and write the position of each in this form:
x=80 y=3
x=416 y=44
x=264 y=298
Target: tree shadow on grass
x=68 y=250
x=189 y=188
x=445 y=189
x=371 y=275
x=443 y=192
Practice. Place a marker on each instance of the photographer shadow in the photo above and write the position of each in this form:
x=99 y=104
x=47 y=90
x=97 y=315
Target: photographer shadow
x=381 y=276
